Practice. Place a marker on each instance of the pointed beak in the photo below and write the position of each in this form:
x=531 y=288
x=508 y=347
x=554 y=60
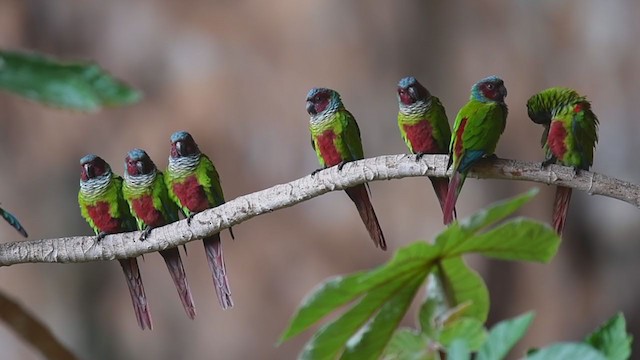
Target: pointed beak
x=88 y=169
x=140 y=167
x=179 y=147
x=413 y=93
x=503 y=91
x=311 y=108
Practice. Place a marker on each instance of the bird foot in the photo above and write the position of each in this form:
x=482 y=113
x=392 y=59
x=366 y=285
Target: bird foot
x=314 y=172
x=101 y=236
x=341 y=164
x=145 y=233
x=420 y=155
x=547 y=162
x=189 y=218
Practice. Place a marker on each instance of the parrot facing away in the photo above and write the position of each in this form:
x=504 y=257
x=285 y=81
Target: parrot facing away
x=476 y=132
x=194 y=185
x=145 y=192
x=13 y=221
x=424 y=126
x=335 y=137
x=104 y=208
x=569 y=138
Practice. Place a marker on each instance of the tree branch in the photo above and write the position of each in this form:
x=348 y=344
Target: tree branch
x=85 y=248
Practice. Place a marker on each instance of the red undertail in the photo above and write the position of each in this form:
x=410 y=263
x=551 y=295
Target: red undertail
x=176 y=269
x=359 y=196
x=136 y=289
x=441 y=187
x=560 y=208
x=215 y=258
x=457 y=180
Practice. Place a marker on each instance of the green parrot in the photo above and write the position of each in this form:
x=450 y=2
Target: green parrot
x=106 y=211
x=424 y=126
x=476 y=132
x=13 y=221
x=335 y=137
x=569 y=138
x=194 y=185
x=148 y=199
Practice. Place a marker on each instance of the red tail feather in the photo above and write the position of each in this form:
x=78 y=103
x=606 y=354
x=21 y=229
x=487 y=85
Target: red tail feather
x=441 y=187
x=215 y=258
x=136 y=289
x=560 y=208
x=359 y=196
x=176 y=269
x=452 y=196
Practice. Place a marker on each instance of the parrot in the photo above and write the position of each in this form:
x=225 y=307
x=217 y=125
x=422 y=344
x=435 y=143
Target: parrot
x=476 y=132
x=569 y=137
x=424 y=126
x=194 y=185
x=146 y=193
x=335 y=137
x=104 y=208
x=13 y=221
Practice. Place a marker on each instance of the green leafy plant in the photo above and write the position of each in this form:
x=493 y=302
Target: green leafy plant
x=452 y=316
x=83 y=86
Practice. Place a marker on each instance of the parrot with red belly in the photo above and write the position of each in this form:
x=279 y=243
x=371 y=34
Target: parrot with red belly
x=106 y=211
x=424 y=126
x=194 y=185
x=148 y=199
x=476 y=132
x=569 y=138
x=335 y=137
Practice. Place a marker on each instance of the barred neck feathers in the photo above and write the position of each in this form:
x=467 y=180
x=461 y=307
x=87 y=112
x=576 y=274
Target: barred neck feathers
x=95 y=188
x=184 y=165
x=139 y=183
x=324 y=118
x=549 y=103
x=418 y=108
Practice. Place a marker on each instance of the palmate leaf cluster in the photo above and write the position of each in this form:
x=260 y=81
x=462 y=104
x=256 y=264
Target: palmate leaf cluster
x=451 y=319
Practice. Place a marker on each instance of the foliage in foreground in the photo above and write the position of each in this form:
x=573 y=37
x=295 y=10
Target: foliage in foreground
x=452 y=317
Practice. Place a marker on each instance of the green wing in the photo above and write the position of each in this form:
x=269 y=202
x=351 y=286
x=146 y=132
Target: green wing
x=162 y=201
x=210 y=180
x=440 y=124
x=119 y=207
x=584 y=128
x=350 y=135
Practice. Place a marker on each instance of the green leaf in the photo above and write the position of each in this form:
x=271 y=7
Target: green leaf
x=413 y=259
x=426 y=316
x=331 y=338
x=496 y=212
x=408 y=345
x=74 y=85
x=567 y=351
x=461 y=284
x=370 y=343
x=518 y=239
x=470 y=330
x=503 y=336
x=458 y=350
x=612 y=339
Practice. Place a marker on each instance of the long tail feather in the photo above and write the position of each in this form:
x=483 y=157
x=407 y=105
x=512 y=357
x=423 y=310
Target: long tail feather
x=13 y=221
x=441 y=187
x=136 y=289
x=457 y=180
x=560 y=208
x=359 y=196
x=215 y=258
x=176 y=269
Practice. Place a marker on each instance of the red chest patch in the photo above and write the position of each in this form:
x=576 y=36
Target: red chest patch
x=328 y=150
x=191 y=194
x=458 y=145
x=421 y=138
x=99 y=213
x=555 y=140
x=144 y=209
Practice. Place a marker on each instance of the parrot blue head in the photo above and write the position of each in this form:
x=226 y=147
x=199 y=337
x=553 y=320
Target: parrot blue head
x=410 y=91
x=489 y=89
x=323 y=101
x=182 y=144
x=93 y=166
x=138 y=162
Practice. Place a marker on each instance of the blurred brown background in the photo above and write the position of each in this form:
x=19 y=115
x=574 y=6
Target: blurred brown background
x=235 y=74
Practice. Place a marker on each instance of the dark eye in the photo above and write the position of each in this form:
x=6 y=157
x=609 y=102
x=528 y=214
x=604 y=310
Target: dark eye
x=490 y=86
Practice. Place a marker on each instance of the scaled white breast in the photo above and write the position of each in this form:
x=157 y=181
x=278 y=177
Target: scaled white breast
x=179 y=167
x=95 y=188
x=140 y=181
